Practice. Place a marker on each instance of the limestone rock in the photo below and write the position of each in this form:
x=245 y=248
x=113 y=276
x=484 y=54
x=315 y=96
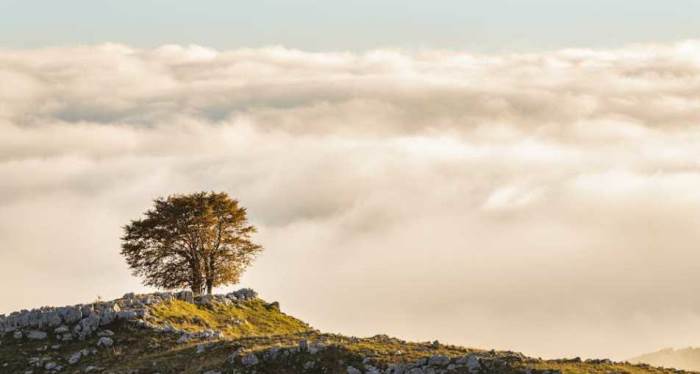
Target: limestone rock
x=473 y=364
x=438 y=360
x=51 y=366
x=105 y=342
x=36 y=335
x=105 y=333
x=243 y=294
x=186 y=296
x=127 y=315
x=74 y=358
x=61 y=329
x=249 y=360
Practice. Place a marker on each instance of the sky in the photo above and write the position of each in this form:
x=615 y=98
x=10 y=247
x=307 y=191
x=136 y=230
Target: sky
x=541 y=196
x=323 y=25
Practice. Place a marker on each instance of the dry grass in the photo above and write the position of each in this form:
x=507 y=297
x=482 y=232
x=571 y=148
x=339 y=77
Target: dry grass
x=241 y=319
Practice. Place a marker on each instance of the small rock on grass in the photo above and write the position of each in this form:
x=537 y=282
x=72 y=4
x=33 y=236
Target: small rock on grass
x=249 y=360
x=105 y=342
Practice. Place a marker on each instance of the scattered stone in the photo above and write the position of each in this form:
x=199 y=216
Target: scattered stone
x=438 y=360
x=53 y=319
x=105 y=342
x=249 y=360
x=352 y=370
x=17 y=334
x=243 y=294
x=61 y=329
x=105 y=333
x=473 y=364
x=127 y=315
x=205 y=300
x=50 y=366
x=200 y=348
x=36 y=335
x=70 y=315
x=75 y=358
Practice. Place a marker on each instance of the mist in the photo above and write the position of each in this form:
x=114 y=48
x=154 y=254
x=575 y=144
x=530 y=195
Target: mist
x=547 y=203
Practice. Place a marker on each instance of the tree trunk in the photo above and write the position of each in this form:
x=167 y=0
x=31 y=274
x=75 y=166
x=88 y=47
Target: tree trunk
x=197 y=288
x=210 y=274
x=197 y=283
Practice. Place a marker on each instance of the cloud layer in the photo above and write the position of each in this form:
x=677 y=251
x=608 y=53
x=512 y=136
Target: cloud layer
x=547 y=203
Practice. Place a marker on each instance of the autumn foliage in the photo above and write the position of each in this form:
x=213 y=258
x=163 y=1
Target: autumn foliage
x=197 y=241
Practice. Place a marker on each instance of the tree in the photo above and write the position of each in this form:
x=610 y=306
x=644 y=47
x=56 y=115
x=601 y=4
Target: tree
x=200 y=241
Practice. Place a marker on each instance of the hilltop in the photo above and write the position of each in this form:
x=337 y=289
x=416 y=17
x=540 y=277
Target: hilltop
x=235 y=333
x=687 y=358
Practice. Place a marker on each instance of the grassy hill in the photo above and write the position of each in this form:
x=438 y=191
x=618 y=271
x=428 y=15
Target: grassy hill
x=687 y=358
x=240 y=335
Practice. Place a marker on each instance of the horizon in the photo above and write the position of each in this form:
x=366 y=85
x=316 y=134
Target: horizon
x=513 y=188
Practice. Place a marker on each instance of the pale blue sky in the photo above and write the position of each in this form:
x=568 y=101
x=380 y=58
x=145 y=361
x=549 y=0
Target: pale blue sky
x=488 y=25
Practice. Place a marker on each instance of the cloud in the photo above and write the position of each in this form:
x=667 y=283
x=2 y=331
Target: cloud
x=547 y=203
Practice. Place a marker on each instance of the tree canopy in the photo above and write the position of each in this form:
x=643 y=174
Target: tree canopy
x=197 y=241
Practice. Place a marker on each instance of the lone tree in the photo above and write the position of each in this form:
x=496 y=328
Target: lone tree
x=199 y=241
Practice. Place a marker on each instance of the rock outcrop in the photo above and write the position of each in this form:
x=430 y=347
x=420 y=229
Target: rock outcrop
x=84 y=320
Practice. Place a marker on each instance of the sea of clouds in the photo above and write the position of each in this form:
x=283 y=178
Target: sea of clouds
x=547 y=203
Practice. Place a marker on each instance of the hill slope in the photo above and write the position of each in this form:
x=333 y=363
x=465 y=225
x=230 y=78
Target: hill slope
x=688 y=358
x=234 y=333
